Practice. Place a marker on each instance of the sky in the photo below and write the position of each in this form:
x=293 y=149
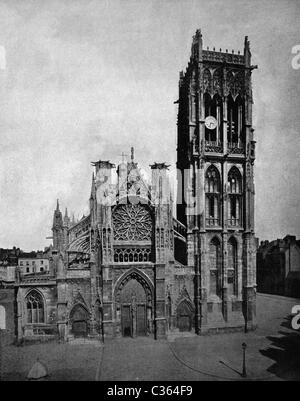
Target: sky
x=86 y=80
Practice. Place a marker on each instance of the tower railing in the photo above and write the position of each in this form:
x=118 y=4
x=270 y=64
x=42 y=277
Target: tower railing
x=236 y=148
x=212 y=221
x=213 y=146
x=234 y=221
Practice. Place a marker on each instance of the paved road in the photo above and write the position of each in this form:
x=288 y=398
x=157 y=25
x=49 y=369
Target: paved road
x=273 y=353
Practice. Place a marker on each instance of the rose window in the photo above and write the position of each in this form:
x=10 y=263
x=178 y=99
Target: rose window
x=132 y=222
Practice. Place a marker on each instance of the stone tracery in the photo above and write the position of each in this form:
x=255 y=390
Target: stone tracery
x=132 y=222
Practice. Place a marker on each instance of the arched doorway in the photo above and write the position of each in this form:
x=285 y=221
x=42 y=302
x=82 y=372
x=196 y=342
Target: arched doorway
x=79 y=321
x=133 y=309
x=133 y=297
x=185 y=316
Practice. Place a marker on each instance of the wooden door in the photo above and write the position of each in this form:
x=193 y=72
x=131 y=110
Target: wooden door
x=133 y=309
x=79 y=328
x=126 y=321
x=184 y=317
x=79 y=319
x=141 y=320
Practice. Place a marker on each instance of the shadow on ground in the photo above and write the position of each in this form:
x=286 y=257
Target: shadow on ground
x=284 y=350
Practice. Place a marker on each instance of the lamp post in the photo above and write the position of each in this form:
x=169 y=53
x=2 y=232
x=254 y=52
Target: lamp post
x=244 y=373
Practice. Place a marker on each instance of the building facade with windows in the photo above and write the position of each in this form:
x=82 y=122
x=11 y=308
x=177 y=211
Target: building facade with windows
x=32 y=265
x=215 y=201
x=8 y=265
x=278 y=267
x=130 y=268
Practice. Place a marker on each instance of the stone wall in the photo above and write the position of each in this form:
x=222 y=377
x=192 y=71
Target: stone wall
x=7 y=315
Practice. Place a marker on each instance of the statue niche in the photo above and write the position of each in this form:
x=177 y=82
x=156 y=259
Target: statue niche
x=79 y=318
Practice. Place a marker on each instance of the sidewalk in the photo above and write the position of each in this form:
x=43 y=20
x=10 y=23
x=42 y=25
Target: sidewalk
x=273 y=353
x=64 y=362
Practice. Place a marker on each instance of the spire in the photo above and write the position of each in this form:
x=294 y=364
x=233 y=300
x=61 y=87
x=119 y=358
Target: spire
x=247 y=52
x=57 y=227
x=198 y=34
x=66 y=218
x=247 y=43
x=197 y=44
x=130 y=165
x=57 y=216
x=93 y=188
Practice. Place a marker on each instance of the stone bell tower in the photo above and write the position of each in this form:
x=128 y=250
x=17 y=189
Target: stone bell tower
x=215 y=158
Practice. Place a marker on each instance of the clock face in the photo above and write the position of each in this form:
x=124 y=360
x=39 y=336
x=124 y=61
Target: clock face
x=211 y=122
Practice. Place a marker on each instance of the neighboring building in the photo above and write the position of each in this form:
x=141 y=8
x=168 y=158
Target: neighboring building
x=33 y=264
x=8 y=264
x=10 y=255
x=278 y=267
x=129 y=268
x=15 y=262
x=7 y=312
x=7 y=272
x=28 y=262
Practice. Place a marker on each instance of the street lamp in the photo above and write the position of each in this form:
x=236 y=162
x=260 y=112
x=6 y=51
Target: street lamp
x=244 y=373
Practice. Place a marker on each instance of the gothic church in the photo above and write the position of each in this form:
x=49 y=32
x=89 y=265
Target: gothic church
x=130 y=268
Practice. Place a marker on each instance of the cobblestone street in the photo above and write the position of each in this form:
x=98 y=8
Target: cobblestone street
x=273 y=353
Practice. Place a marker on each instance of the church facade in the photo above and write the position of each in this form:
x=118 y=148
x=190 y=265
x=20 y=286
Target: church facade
x=130 y=268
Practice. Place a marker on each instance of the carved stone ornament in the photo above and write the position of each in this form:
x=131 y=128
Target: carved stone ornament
x=134 y=276
x=206 y=81
x=132 y=222
x=235 y=83
x=217 y=81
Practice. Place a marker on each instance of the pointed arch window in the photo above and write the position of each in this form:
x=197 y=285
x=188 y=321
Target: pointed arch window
x=234 y=197
x=212 y=197
x=214 y=107
x=193 y=98
x=35 y=308
x=232 y=273
x=215 y=267
x=235 y=122
x=207 y=80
